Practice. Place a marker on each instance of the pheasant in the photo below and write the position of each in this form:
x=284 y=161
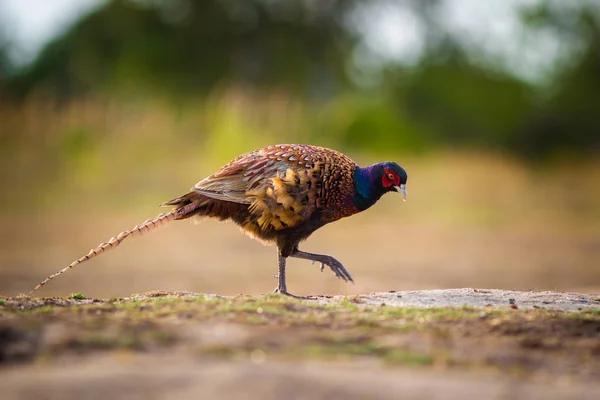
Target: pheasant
x=279 y=194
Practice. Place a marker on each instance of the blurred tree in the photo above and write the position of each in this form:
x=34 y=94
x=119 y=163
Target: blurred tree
x=461 y=103
x=455 y=94
x=458 y=99
x=6 y=65
x=569 y=120
x=187 y=46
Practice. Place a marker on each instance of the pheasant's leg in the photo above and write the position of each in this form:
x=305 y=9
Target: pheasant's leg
x=336 y=266
x=281 y=286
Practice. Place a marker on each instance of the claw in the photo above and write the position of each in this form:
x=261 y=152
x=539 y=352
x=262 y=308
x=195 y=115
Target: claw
x=280 y=291
x=336 y=267
x=286 y=293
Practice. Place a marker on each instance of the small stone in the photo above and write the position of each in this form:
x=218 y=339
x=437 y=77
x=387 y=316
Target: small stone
x=258 y=356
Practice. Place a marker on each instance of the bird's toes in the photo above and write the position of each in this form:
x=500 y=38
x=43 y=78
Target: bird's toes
x=343 y=273
x=280 y=290
x=340 y=273
x=349 y=277
x=336 y=267
x=286 y=293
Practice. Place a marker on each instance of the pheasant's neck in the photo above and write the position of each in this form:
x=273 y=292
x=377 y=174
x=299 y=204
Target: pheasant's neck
x=366 y=188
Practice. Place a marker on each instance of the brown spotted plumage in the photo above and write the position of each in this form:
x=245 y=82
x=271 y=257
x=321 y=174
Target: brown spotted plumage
x=279 y=194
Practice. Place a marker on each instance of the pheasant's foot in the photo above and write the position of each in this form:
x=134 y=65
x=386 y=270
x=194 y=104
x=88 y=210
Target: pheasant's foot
x=335 y=266
x=286 y=293
x=322 y=265
x=280 y=290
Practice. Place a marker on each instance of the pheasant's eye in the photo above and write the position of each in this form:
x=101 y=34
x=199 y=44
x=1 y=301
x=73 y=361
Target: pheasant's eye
x=391 y=177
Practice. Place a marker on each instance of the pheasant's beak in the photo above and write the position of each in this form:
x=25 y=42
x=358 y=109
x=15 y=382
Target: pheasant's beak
x=402 y=190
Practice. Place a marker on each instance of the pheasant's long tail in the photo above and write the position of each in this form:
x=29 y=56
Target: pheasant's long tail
x=138 y=230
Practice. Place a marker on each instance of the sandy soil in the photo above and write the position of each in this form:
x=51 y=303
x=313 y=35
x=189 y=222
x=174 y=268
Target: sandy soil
x=491 y=344
x=174 y=377
x=485 y=298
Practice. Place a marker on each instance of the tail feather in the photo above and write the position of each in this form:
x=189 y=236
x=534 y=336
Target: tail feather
x=138 y=230
x=183 y=200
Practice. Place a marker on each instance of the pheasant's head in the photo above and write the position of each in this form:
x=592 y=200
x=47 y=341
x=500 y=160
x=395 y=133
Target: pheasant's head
x=374 y=181
x=393 y=177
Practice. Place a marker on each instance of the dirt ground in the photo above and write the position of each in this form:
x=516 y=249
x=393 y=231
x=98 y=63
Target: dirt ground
x=381 y=337
x=446 y=344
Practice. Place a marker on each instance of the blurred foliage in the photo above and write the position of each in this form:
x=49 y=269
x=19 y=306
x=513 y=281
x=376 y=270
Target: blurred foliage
x=461 y=103
x=6 y=65
x=189 y=47
x=293 y=58
x=569 y=119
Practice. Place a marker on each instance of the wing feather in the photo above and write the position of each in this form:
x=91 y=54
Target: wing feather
x=282 y=184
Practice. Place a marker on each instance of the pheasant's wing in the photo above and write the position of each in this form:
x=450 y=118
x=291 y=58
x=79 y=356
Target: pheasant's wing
x=227 y=184
x=280 y=191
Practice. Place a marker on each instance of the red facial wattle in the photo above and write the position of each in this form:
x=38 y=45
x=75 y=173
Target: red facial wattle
x=390 y=178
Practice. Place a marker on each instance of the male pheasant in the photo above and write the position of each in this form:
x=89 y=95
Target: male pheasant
x=279 y=194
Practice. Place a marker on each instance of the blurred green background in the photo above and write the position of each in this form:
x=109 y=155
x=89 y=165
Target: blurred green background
x=492 y=107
